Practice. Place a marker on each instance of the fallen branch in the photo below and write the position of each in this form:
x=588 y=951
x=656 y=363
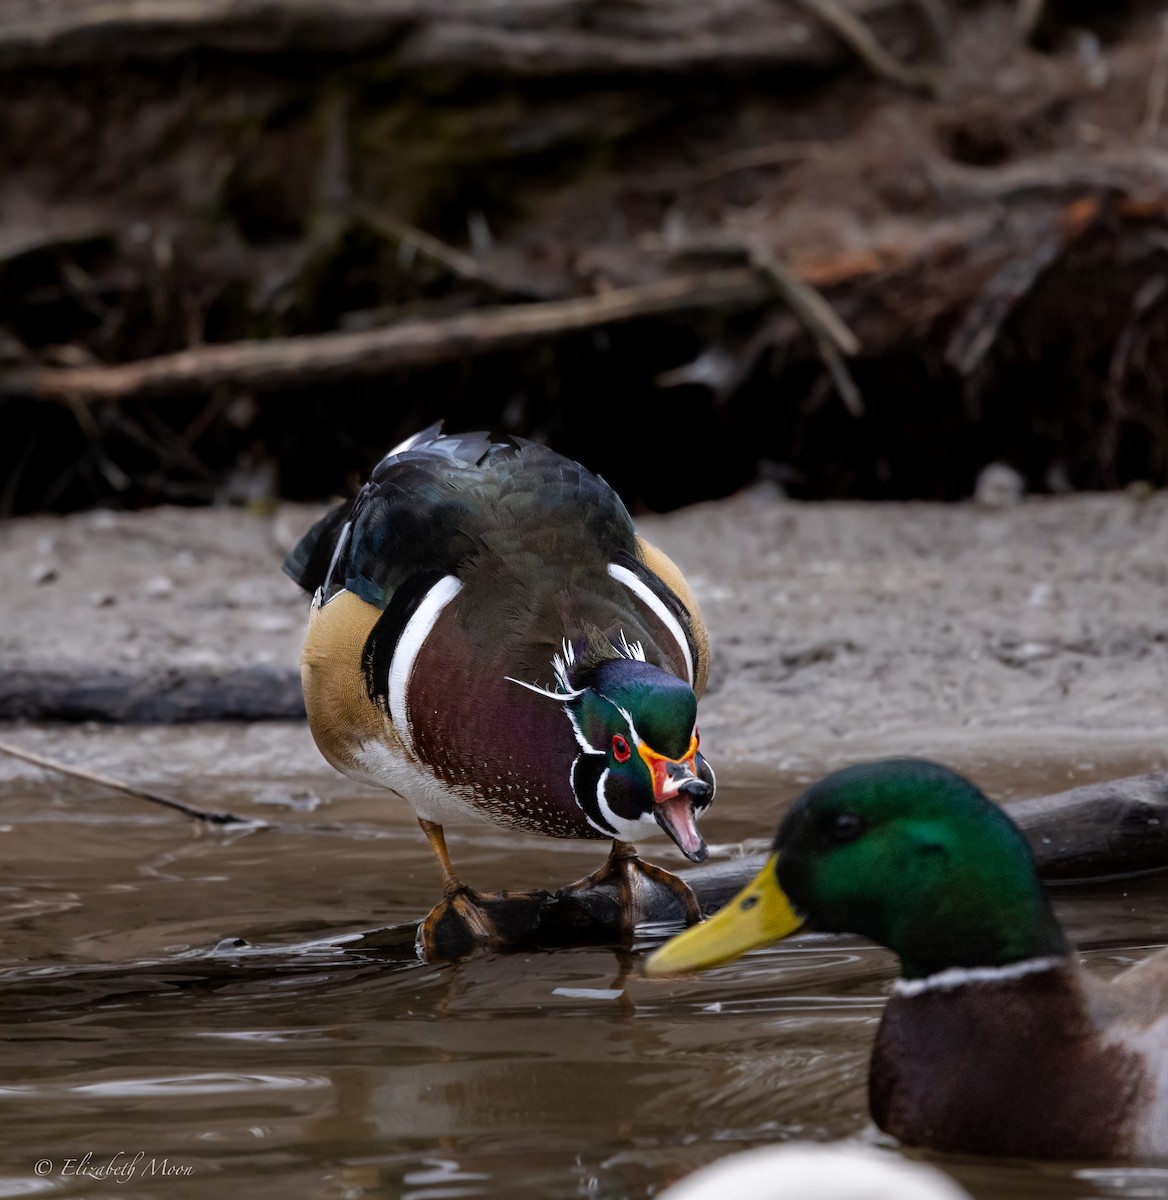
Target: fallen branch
x=305 y=361
x=188 y=810
x=1090 y=833
x=833 y=339
x=525 y=37
x=457 y=262
x=150 y=696
x=1060 y=176
x=981 y=325
x=806 y=303
x=1157 y=88
x=858 y=37
x=1098 y=831
x=773 y=154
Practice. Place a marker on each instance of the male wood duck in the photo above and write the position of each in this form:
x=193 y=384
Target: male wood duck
x=490 y=639
x=995 y=1040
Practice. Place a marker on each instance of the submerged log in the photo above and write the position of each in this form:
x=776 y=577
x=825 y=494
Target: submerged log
x=1099 y=830
x=1085 y=835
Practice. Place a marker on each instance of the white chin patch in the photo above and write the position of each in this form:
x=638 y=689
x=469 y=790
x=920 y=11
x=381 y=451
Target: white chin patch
x=626 y=830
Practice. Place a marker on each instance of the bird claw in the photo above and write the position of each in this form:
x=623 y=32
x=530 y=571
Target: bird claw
x=466 y=921
x=627 y=892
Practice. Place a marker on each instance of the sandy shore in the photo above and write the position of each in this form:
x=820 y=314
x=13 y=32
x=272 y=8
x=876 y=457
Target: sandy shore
x=839 y=630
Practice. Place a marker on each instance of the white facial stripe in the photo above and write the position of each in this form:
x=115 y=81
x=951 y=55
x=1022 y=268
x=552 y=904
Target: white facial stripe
x=959 y=976
x=584 y=743
x=653 y=602
x=624 y=712
x=405 y=654
x=623 y=826
x=599 y=799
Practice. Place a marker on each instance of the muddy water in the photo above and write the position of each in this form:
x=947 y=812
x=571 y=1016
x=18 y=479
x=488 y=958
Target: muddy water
x=181 y=1005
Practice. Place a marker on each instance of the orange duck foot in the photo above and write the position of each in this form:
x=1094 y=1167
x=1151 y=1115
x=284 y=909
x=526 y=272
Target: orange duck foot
x=627 y=891
x=466 y=921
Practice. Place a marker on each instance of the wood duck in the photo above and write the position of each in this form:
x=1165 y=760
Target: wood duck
x=490 y=639
x=995 y=1040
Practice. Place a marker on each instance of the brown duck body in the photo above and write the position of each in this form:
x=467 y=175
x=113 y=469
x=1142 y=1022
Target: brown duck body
x=479 y=745
x=470 y=567
x=1046 y=1062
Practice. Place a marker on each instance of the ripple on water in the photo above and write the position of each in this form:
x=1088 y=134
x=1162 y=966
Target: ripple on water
x=210 y=1003
x=12 y=1186
x=203 y=1084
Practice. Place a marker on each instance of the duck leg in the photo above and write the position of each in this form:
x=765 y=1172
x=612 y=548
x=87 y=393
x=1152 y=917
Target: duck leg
x=627 y=891
x=465 y=920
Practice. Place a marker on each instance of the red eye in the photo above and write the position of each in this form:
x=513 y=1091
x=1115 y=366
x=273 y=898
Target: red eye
x=620 y=748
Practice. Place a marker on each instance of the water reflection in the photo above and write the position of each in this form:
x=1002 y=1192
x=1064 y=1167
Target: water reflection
x=198 y=997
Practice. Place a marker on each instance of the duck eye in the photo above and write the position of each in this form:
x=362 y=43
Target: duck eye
x=620 y=748
x=845 y=827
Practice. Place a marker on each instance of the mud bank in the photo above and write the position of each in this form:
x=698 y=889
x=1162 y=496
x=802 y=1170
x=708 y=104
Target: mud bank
x=840 y=630
x=244 y=244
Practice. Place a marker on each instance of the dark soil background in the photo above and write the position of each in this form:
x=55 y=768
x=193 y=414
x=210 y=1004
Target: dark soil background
x=985 y=208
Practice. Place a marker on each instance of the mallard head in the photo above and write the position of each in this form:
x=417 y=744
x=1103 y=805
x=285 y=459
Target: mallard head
x=906 y=852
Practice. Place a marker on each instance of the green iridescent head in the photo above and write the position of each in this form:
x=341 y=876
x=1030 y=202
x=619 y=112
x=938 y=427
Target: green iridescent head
x=906 y=852
x=639 y=765
x=912 y=855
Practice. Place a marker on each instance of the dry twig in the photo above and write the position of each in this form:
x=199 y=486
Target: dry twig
x=303 y=361
x=188 y=810
x=854 y=33
x=983 y=322
x=458 y=263
x=1157 y=88
x=773 y=154
x=833 y=339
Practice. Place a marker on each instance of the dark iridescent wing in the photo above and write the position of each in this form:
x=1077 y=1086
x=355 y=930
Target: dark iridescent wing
x=439 y=500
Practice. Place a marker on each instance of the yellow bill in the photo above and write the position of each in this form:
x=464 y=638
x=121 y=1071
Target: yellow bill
x=758 y=915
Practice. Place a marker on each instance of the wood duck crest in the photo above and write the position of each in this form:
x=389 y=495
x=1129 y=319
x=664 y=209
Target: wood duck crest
x=491 y=639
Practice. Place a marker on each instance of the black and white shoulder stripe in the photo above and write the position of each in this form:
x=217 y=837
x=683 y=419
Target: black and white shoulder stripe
x=660 y=600
x=394 y=643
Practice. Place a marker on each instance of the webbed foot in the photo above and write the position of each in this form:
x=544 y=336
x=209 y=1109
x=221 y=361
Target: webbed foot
x=627 y=891
x=466 y=921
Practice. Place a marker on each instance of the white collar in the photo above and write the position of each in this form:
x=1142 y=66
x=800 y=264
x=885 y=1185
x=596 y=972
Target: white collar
x=954 y=977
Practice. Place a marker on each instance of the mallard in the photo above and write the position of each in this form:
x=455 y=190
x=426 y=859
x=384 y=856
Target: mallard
x=491 y=640
x=995 y=1040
